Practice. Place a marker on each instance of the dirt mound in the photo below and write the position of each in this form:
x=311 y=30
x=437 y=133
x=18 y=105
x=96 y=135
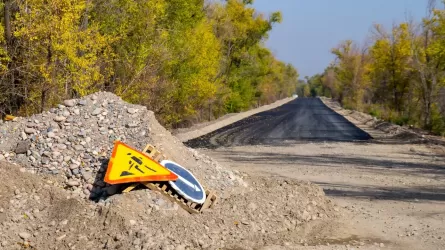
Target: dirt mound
x=75 y=140
x=36 y=215
x=33 y=212
x=272 y=211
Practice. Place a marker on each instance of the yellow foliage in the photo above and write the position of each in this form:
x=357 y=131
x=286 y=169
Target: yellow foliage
x=65 y=55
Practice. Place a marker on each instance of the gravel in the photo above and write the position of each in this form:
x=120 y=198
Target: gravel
x=75 y=140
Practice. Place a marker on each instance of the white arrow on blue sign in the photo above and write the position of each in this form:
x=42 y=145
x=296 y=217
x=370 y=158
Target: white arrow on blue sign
x=186 y=184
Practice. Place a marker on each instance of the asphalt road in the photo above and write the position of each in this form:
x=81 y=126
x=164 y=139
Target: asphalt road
x=303 y=119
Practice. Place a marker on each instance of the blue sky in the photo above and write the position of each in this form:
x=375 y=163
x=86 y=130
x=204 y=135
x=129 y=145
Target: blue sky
x=312 y=27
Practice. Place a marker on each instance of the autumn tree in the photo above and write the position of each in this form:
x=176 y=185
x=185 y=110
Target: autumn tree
x=390 y=66
x=429 y=63
x=60 y=60
x=351 y=79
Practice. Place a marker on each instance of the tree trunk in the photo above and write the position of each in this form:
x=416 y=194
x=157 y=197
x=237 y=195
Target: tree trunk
x=7 y=17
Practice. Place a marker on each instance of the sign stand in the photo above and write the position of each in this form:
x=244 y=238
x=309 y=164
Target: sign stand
x=171 y=194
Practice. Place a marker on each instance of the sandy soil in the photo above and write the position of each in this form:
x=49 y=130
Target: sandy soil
x=394 y=193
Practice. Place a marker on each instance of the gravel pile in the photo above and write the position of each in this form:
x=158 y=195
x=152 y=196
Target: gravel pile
x=74 y=142
x=36 y=215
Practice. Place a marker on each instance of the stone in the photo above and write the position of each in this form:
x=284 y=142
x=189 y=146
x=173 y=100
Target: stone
x=96 y=111
x=45 y=160
x=31 y=125
x=51 y=135
x=59 y=118
x=73 y=183
x=89 y=187
x=252 y=206
x=23 y=135
x=180 y=247
x=86 y=175
x=35 y=154
x=76 y=111
x=78 y=147
x=30 y=131
x=66 y=113
x=132 y=124
x=137 y=242
x=132 y=111
x=82 y=102
x=61 y=237
x=306 y=216
x=25 y=235
x=132 y=222
x=69 y=103
x=22 y=147
x=112 y=190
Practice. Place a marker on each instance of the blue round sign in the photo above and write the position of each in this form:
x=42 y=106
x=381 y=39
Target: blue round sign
x=186 y=184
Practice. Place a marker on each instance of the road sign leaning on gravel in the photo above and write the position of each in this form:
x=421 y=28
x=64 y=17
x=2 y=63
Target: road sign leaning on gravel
x=152 y=169
x=186 y=185
x=128 y=165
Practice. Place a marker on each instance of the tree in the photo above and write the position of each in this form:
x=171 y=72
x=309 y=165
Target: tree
x=60 y=60
x=350 y=67
x=391 y=64
x=429 y=60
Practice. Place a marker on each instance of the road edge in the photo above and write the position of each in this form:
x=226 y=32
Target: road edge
x=380 y=129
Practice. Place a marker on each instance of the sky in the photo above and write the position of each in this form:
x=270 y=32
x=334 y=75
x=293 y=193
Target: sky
x=311 y=28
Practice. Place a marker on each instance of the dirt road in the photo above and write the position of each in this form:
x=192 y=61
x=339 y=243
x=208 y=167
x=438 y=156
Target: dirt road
x=393 y=191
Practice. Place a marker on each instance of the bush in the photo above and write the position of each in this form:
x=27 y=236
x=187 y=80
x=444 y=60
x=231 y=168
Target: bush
x=437 y=121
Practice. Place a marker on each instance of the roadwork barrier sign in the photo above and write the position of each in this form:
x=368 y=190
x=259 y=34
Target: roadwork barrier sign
x=128 y=165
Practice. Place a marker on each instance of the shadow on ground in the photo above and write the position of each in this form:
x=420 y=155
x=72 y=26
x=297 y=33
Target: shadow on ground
x=435 y=169
x=329 y=160
x=418 y=193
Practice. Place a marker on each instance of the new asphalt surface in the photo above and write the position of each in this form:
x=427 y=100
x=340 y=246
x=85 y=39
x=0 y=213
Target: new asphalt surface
x=303 y=119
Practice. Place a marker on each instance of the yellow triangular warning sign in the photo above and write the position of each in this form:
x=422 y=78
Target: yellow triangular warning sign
x=130 y=165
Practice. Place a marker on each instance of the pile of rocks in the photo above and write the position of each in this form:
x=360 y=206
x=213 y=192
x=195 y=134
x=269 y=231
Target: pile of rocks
x=75 y=140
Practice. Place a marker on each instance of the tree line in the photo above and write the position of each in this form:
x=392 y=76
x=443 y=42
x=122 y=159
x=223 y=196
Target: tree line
x=187 y=60
x=397 y=75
